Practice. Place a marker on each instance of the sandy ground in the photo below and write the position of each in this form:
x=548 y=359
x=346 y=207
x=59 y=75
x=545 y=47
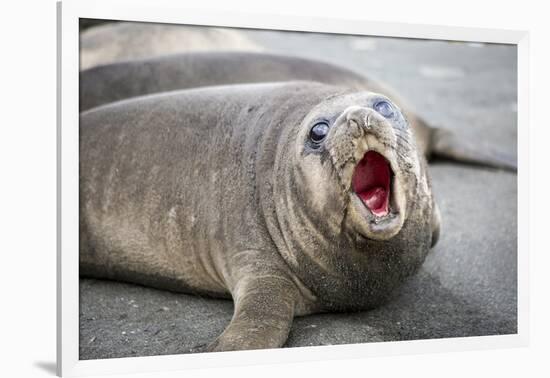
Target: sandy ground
x=467 y=286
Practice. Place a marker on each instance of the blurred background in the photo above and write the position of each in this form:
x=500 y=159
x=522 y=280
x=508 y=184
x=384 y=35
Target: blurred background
x=468 y=284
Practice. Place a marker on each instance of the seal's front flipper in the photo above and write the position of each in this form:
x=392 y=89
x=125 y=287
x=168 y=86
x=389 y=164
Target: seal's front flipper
x=264 y=310
x=447 y=145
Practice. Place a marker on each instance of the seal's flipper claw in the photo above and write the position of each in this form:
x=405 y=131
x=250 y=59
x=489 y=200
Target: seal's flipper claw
x=447 y=145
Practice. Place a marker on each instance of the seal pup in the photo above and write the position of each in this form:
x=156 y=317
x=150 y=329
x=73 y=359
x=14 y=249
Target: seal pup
x=113 y=82
x=292 y=198
x=122 y=41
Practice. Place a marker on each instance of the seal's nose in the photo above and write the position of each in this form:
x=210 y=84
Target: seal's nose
x=369 y=121
x=358 y=115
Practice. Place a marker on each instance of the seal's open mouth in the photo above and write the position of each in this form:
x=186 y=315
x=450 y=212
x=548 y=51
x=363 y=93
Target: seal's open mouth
x=371 y=182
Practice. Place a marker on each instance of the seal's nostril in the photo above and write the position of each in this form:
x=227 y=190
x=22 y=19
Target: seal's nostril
x=359 y=117
x=360 y=121
x=353 y=122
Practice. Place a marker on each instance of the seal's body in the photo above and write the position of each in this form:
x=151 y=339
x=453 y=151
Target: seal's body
x=119 y=81
x=292 y=198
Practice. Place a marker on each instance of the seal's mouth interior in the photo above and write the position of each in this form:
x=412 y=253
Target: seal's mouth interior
x=371 y=182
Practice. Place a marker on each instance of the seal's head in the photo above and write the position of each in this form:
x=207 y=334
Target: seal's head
x=355 y=203
x=358 y=153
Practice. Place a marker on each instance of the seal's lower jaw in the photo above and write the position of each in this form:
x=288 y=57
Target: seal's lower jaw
x=374 y=200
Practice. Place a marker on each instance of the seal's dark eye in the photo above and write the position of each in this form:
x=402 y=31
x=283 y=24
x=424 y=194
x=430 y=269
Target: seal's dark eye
x=318 y=132
x=385 y=108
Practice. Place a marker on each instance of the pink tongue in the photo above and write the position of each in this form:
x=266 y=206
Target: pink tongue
x=376 y=200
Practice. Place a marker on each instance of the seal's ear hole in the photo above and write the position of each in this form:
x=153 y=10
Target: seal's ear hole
x=436 y=224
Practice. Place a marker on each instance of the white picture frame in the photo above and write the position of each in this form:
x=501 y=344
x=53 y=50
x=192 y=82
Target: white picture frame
x=173 y=11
